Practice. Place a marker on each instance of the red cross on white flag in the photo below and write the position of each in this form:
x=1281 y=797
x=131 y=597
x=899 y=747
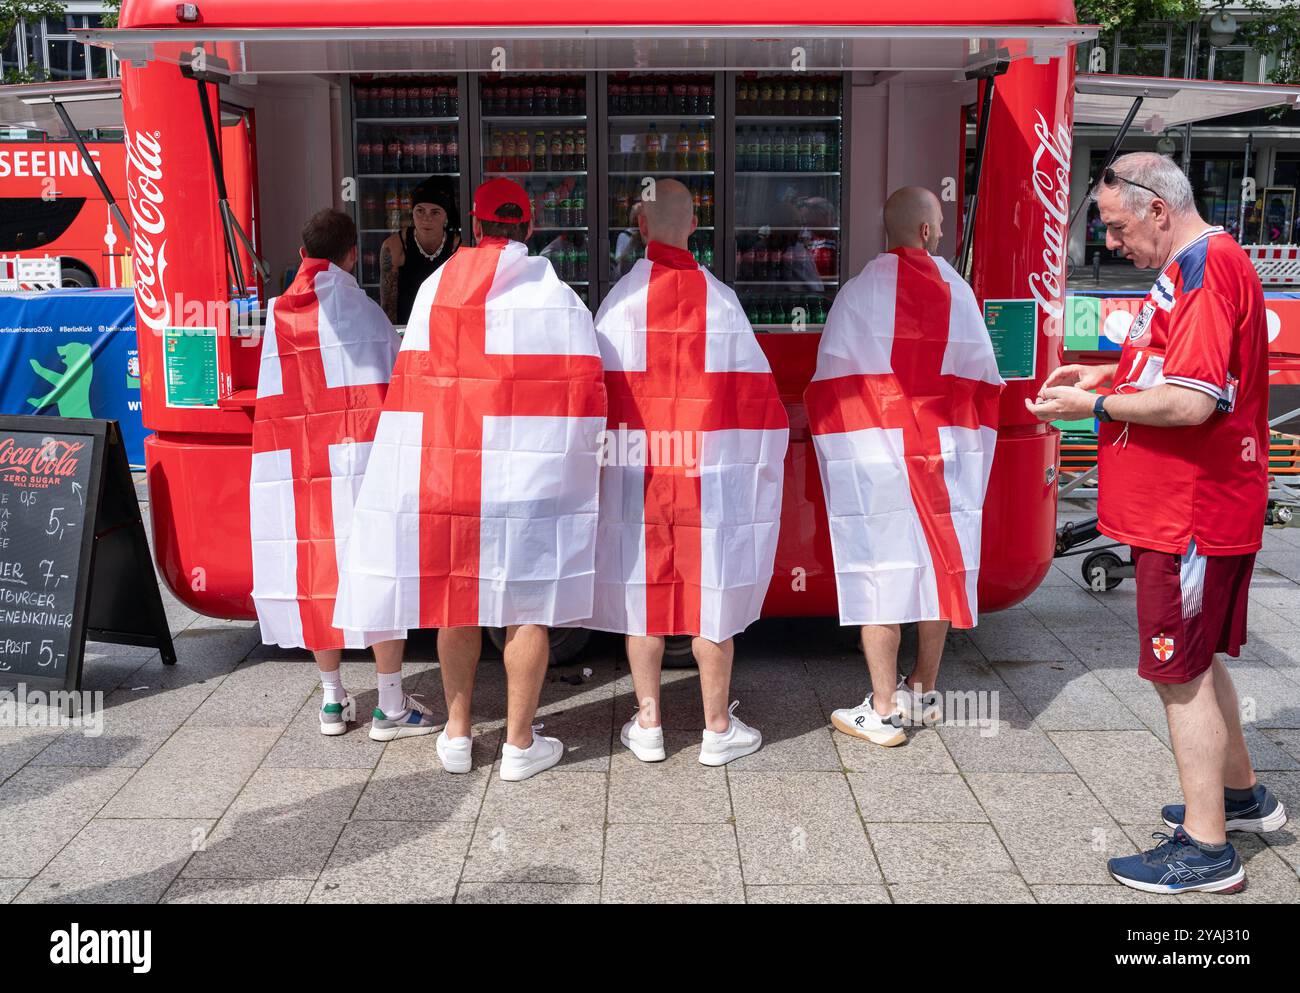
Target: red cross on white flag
x=479 y=502
x=690 y=488
x=326 y=357
x=903 y=411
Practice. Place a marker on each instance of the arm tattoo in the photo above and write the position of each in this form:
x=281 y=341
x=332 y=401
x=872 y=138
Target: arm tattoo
x=388 y=283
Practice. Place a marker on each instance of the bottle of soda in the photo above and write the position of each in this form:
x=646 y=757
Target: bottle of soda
x=703 y=150
x=819 y=152
x=580 y=151
x=579 y=209
x=436 y=159
x=753 y=149
x=615 y=98
x=451 y=151
x=742 y=96
x=408 y=154
x=652 y=148
x=526 y=100
x=428 y=154
x=581 y=263
x=393 y=154
x=565 y=218
x=539 y=152
x=778 y=151
x=765 y=97
x=682 y=160
x=706 y=98
x=557 y=152
x=570 y=149
x=363 y=157
x=706 y=207
x=805 y=150
x=778 y=97
x=765 y=151
x=706 y=256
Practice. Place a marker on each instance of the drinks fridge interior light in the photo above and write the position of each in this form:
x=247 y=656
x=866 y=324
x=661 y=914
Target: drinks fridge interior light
x=660 y=126
x=535 y=130
x=405 y=129
x=788 y=138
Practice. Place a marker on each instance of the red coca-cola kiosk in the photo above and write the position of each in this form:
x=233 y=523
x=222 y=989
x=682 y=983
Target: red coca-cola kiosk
x=847 y=105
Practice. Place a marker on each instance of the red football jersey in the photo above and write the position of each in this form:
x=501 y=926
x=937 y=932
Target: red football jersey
x=1202 y=326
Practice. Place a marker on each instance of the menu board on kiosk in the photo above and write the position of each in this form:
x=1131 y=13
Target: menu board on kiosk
x=74 y=560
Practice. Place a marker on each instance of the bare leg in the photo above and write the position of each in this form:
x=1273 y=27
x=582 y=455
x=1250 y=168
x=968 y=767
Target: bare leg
x=645 y=657
x=528 y=650
x=1200 y=741
x=388 y=656
x=930 y=636
x=880 y=642
x=328 y=660
x=714 y=660
x=1238 y=773
x=458 y=652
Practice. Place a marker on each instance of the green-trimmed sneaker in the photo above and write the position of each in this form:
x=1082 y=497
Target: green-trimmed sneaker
x=334 y=717
x=413 y=720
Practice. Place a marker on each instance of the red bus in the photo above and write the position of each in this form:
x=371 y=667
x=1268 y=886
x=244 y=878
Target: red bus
x=50 y=202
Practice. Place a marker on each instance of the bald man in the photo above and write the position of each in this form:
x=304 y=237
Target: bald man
x=903 y=413
x=690 y=487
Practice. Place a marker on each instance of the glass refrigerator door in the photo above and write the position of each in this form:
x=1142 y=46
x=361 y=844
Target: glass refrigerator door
x=660 y=126
x=535 y=131
x=404 y=130
x=789 y=135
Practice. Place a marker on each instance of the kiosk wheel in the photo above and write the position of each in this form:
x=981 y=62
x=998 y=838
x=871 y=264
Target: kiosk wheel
x=1099 y=571
x=677 y=652
x=566 y=643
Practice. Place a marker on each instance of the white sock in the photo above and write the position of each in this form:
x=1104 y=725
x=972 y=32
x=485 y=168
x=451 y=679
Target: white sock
x=392 y=700
x=332 y=683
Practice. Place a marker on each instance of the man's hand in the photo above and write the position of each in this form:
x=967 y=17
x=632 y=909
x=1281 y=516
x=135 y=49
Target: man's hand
x=1086 y=377
x=1061 y=403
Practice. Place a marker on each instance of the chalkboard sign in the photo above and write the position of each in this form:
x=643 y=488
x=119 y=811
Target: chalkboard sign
x=74 y=561
x=1013 y=327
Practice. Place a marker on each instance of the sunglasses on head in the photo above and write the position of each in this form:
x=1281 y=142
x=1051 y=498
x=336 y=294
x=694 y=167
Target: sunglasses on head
x=1110 y=177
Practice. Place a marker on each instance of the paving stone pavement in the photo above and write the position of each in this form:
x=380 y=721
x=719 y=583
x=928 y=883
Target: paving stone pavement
x=211 y=782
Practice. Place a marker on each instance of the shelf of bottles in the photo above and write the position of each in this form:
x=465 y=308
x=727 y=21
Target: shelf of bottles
x=535 y=130
x=660 y=127
x=404 y=130
x=789 y=134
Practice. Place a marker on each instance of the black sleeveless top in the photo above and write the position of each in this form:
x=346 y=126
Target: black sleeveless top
x=415 y=270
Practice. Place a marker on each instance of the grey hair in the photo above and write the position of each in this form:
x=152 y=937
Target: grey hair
x=1157 y=171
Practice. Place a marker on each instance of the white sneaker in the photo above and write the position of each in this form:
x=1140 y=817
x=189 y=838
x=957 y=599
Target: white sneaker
x=454 y=753
x=647 y=744
x=862 y=721
x=521 y=763
x=919 y=709
x=738 y=740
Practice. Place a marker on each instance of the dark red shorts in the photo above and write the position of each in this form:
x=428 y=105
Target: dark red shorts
x=1189 y=607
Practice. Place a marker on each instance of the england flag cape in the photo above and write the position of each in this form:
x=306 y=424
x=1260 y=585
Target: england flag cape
x=690 y=486
x=479 y=501
x=903 y=411
x=326 y=357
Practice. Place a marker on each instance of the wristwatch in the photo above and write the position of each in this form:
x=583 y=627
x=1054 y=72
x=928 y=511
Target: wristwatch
x=1099 y=410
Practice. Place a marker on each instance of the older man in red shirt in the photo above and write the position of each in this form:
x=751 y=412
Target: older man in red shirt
x=1182 y=450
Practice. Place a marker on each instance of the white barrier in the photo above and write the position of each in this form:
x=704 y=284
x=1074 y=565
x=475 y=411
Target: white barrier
x=19 y=275
x=1277 y=265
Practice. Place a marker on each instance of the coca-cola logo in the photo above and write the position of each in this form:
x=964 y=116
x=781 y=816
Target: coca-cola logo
x=1052 y=188
x=53 y=458
x=144 y=172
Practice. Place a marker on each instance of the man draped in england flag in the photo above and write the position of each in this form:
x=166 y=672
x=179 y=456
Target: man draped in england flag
x=326 y=358
x=903 y=411
x=479 y=502
x=690 y=485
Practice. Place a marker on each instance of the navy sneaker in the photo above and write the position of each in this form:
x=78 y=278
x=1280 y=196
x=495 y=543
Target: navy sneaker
x=1179 y=865
x=1262 y=812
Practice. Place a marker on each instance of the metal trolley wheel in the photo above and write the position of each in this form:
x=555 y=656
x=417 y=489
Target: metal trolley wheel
x=1099 y=570
x=566 y=643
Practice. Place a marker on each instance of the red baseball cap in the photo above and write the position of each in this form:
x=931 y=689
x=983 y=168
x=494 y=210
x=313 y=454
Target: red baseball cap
x=495 y=194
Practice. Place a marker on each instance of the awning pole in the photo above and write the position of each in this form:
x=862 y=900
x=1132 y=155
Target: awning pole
x=1241 y=205
x=93 y=169
x=223 y=202
x=1110 y=157
x=964 y=252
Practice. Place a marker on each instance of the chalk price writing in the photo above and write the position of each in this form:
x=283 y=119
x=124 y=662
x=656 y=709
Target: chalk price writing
x=48 y=566
x=27 y=498
x=48 y=658
x=57 y=525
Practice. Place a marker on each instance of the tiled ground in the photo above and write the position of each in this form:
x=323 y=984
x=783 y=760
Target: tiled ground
x=212 y=783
